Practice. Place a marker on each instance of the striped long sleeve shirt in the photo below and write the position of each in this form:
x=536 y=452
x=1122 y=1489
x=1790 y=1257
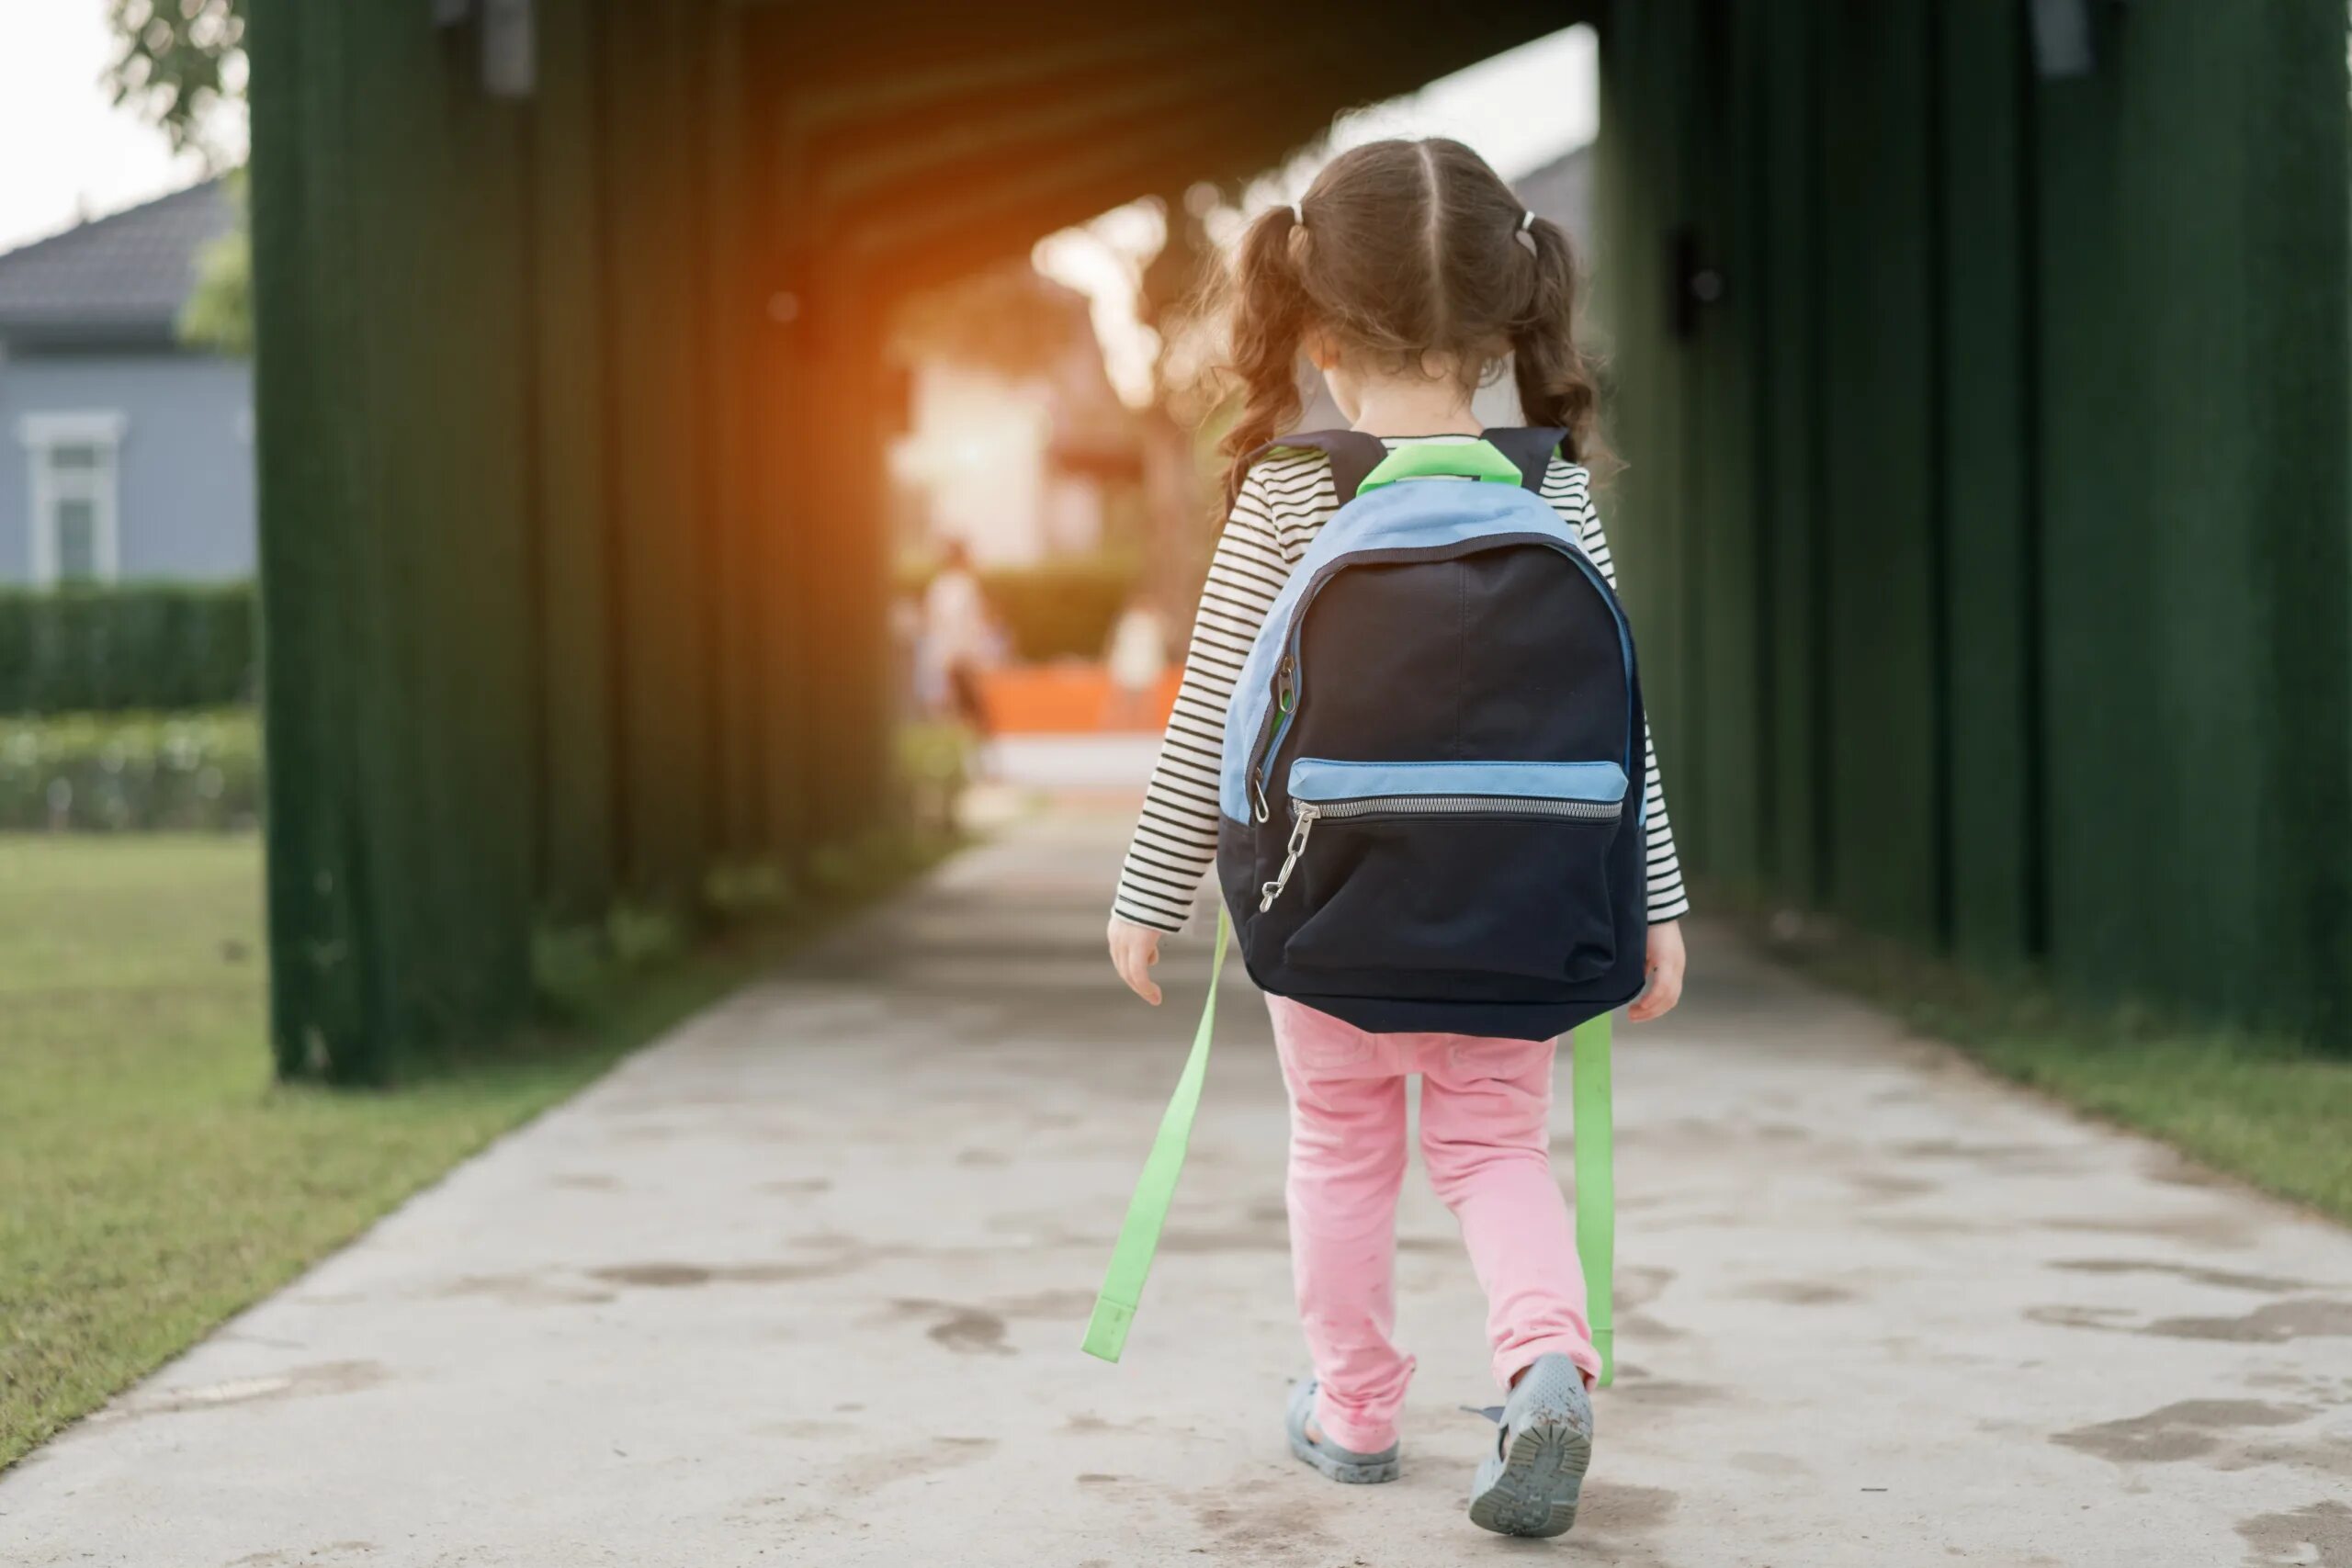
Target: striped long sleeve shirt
x=1286 y=500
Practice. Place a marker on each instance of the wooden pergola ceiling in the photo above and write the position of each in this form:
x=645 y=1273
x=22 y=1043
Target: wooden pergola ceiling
x=914 y=147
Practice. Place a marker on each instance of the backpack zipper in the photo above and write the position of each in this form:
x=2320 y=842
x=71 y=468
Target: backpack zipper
x=1306 y=813
x=1280 y=711
x=1284 y=698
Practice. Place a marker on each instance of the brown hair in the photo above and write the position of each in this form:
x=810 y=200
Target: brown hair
x=1400 y=250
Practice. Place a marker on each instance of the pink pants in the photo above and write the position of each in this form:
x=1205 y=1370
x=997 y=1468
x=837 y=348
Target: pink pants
x=1487 y=1141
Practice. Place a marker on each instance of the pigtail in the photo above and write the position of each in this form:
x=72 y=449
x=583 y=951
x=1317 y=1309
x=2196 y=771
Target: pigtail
x=1269 y=319
x=1555 y=377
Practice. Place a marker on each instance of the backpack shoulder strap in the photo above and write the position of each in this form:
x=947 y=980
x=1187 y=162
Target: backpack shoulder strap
x=1353 y=453
x=1596 y=1186
x=1530 y=449
x=1115 y=1307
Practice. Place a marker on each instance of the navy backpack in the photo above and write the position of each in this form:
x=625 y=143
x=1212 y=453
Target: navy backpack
x=1432 y=790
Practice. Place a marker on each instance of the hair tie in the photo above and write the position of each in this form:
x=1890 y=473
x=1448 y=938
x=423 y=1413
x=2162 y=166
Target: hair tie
x=1298 y=215
x=1527 y=220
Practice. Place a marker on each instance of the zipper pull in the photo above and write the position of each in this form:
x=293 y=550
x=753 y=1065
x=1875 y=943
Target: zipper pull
x=1283 y=700
x=1273 y=890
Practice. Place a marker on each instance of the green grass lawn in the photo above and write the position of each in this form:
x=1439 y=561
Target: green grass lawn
x=2273 y=1111
x=153 y=1179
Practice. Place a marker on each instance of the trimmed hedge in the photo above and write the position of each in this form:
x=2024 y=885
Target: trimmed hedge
x=160 y=647
x=1057 y=609
x=1061 y=608
x=130 y=773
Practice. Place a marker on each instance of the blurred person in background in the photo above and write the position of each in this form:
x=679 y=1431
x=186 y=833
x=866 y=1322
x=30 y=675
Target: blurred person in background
x=959 y=638
x=910 y=681
x=1136 y=660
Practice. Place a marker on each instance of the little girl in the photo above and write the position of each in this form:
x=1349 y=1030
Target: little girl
x=1407 y=273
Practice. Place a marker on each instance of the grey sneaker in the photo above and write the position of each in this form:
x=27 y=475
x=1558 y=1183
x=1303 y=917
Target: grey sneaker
x=1529 y=1486
x=1339 y=1463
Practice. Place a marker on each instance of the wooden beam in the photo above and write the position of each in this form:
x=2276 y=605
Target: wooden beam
x=920 y=250
x=1223 y=128
x=948 y=124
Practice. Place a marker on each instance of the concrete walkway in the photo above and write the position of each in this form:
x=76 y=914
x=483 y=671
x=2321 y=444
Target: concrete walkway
x=804 y=1284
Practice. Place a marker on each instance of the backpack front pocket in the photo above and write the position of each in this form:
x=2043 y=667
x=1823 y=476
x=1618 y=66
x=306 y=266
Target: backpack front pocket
x=1494 y=868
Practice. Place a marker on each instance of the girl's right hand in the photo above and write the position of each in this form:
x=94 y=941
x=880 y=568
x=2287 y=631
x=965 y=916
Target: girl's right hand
x=1134 y=950
x=1663 y=969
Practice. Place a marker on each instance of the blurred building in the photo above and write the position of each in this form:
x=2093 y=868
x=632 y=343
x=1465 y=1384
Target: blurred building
x=123 y=454
x=1015 y=438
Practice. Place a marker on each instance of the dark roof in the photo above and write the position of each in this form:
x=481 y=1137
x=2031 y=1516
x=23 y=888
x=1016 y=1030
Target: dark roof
x=118 y=279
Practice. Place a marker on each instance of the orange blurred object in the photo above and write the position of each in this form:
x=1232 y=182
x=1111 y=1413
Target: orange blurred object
x=1070 y=698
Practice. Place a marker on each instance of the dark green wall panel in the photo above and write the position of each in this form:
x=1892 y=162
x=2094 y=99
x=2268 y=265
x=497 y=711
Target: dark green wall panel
x=1875 y=495
x=2195 y=511
x=1984 y=403
x=655 y=439
x=576 y=645
x=1789 y=773
x=2015 y=458
x=1722 y=539
x=1638 y=192
x=527 y=593
x=392 y=375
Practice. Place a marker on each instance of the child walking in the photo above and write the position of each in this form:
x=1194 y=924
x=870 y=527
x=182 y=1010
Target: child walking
x=1408 y=273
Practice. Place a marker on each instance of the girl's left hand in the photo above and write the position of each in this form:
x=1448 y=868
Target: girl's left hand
x=1665 y=970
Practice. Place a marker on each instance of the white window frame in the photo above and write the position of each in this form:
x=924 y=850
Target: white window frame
x=41 y=433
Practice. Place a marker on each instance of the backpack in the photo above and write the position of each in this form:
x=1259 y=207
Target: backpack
x=1431 y=789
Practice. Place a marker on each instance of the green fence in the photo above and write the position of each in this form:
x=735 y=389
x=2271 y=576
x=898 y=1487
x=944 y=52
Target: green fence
x=552 y=627
x=1990 y=522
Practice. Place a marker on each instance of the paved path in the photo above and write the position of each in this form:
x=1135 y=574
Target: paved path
x=804 y=1284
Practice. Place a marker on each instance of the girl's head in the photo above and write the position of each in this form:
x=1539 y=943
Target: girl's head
x=1405 y=259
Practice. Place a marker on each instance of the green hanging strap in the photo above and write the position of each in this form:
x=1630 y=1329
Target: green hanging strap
x=1115 y=1309
x=1596 y=1186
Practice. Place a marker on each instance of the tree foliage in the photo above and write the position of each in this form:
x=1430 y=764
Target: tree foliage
x=175 y=62
x=219 y=314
